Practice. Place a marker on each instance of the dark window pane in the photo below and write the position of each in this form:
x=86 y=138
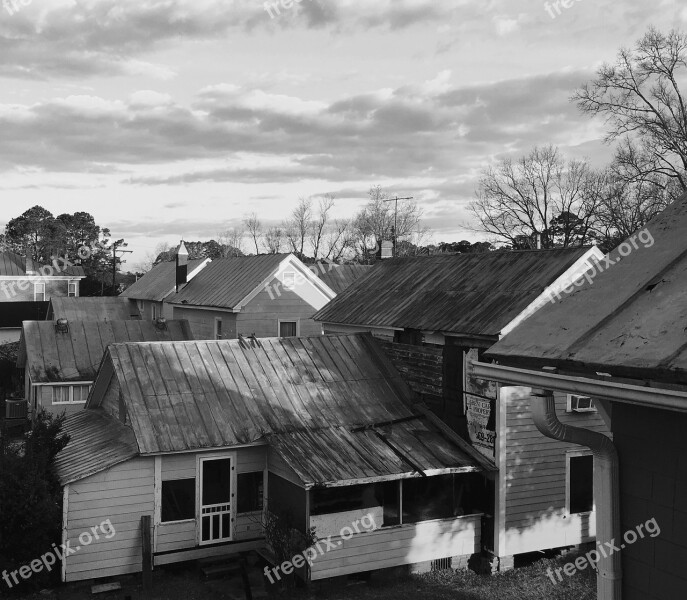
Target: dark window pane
x=287 y=329
x=441 y=497
x=250 y=491
x=216 y=481
x=178 y=500
x=581 y=484
x=358 y=497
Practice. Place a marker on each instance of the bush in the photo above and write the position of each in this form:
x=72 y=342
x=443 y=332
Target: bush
x=30 y=498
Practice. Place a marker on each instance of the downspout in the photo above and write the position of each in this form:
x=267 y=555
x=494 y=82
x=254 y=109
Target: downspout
x=606 y=487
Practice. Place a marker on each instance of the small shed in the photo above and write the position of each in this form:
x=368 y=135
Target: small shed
x=60 y=362
x=207 y=436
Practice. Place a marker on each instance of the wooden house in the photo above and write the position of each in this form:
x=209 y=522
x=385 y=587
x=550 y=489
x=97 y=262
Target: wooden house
x=435 y=314
x=59 y=361
x=266 y=295
x=621 y=341
x=96 y=308
x=26 y=287
x=203 y=437
x=151 y=290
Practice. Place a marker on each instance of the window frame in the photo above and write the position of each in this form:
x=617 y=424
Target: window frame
x=571 y=454
x=36 y=292
x=296 y=321
x=292 y=284
x=217 y=331
x=70 y=387
x=75 y=283
x=192 y=519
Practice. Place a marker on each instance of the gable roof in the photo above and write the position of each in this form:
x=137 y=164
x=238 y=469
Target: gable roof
x=228 y=282
x=630 y=321
x=96 y=308
x=328 y=393
x=468 y=294
x=340 y=277
x=54 y=357
x=14 y=265
x=159 y=282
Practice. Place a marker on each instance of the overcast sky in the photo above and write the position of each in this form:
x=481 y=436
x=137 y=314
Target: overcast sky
x=175 y=118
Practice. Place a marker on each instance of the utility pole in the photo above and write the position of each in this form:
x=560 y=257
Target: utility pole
x=395 y=201
x=115 y=247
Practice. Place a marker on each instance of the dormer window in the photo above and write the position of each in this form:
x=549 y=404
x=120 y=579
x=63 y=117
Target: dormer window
x=39 y=292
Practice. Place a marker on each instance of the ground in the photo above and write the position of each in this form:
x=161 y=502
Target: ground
x=527 y=583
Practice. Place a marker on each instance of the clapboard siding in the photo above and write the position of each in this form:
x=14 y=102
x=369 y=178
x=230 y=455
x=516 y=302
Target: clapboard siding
x=122 y=494
x=395 y=546
x=202 y=322
x=536 y=516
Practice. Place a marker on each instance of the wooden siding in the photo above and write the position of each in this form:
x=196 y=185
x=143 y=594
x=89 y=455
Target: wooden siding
x=402 y=545
x=262 y=313
x=202 y=322
x=22 y=290
x=422 y=367
x=379 y=333
x=535 y=478
x=122 y=494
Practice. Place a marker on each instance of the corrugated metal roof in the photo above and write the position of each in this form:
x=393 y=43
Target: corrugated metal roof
x=76 y=355
x=159 y=282
x=340 y=277
x=468 y=294
x=227 y=281
x=13 y=265
x=98 y=308
x=97 y=442
x=631 y=321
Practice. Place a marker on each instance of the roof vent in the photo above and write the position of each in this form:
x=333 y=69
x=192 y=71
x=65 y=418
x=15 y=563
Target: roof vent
x=62 y=325
x=161 y=323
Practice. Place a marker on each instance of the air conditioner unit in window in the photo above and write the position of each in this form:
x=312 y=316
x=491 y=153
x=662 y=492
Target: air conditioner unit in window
x=580 y=404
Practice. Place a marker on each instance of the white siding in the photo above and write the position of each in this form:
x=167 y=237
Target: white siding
x=123 y=494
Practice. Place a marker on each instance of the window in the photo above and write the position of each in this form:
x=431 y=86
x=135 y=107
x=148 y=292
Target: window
x=580 y=483
x=154 y=312
x=580 y=404
x=39 y=292
x=250 y=491
x=73 y=289
x=289 y=279
x=70 y=394
x=441 y=497
x=178 y=500
x=288 y=328
x=360 y=498
x=218 y=328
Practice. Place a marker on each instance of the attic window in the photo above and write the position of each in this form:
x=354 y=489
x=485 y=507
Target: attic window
x=289 y=279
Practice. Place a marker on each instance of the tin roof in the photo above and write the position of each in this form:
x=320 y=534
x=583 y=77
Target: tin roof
x=631 y=321
x=14 y=265
x=97 y=442
x=159 y=282
x=225 y=282
x=468 y=294
x=75 y=355
x=339 y=277
x=96 y=308
x=296 y=393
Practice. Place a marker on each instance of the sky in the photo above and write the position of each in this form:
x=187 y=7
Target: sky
x=170 y=119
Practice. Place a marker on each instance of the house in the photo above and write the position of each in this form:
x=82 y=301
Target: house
x=620 y=342
x=96 y=308
x=435 y=314
x=266 y=295
x=204 y=437
x=26 y=287
x=151 y=290
x=339 y=277
x=59 y=360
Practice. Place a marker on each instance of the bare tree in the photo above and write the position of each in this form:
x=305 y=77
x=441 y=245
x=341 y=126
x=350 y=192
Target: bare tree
x=231 y=240
x=643 y=105
x=150 y=259
x=274 y=239
x=254 y=227
x=538 y=197
x=320 y=224
x=297 y=228
x=338 y=241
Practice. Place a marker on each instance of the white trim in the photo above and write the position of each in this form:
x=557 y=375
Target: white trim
x=501 y=460
x=157 y=501
x=202 y=307
x=31 y=278
x=296 y=321
x=232 y=490
x=36 y=292
x=577 y=454
x=71 y=387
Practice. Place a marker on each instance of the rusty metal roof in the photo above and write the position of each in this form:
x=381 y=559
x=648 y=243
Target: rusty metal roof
x=97 y=442
x=468 y=294
x=159 y=282
x=631 y=321
x=75 y=355
x=184 y=396
x=97 y=308
x=225 y=282
x=13 y=265
x=339 y=277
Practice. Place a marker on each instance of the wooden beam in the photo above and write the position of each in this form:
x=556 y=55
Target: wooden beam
x=147 y=551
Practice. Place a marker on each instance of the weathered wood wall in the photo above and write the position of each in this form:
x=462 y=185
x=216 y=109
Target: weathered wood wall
x=421 y=366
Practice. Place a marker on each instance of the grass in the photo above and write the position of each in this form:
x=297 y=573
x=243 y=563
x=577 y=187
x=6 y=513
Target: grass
x=526 y=583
